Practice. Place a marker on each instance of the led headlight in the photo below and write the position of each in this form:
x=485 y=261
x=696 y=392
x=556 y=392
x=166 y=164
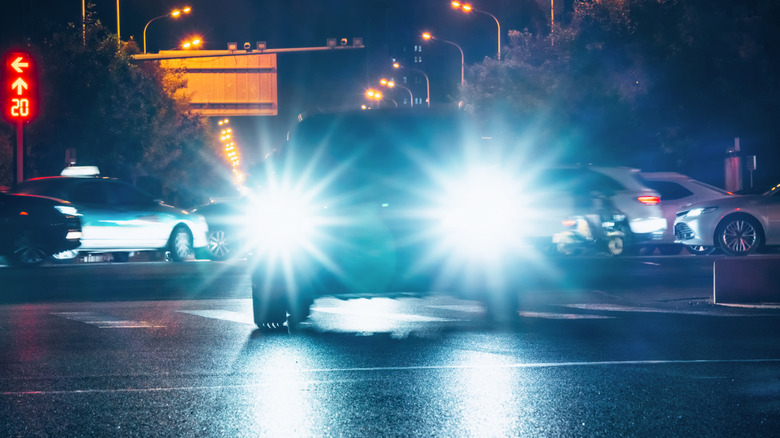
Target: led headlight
x=67 y=210
x=700 y=211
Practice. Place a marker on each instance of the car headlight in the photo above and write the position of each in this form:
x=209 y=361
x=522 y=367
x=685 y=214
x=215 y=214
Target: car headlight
x=480 y=211
x=283 y=220
x=700 y=211
x=67 y=210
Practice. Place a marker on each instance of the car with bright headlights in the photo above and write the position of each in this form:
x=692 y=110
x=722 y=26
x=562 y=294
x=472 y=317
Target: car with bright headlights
x=385 y=202
x=120 y=219
x=737 y=225
x=32 y=228
x=677 y=192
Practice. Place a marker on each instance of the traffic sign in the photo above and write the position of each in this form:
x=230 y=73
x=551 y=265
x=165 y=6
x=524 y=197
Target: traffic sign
x=19 y=87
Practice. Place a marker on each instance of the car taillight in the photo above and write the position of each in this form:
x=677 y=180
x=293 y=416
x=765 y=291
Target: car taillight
x=649 y=200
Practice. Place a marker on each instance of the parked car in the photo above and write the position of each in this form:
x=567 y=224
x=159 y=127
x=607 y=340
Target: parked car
x=229 y=224
x=737 y=225
x=678 y=191
x=118 y=218
x=32 y=228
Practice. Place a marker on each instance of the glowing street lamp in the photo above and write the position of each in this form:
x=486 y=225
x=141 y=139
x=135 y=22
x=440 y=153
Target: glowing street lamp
x=427 y=36
x=427 y=81
x=466 y=8
x=391 y=84
x=173 y=14
x=191 y=44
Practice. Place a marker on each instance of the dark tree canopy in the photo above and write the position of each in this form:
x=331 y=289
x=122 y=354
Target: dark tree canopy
x=117 y=114
x=665 y=84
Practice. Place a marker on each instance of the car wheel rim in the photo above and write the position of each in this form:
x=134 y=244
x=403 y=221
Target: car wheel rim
x=218 y=245
x=29 y=254
x=182 y=244
x=739 y=236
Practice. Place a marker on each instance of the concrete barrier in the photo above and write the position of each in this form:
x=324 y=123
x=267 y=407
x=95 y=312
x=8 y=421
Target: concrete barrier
x=743 y=280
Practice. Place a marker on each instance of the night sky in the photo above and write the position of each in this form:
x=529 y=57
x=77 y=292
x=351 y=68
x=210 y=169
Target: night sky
x=389 y=28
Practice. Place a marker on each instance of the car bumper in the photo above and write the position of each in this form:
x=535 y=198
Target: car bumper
x=648 y=230
x=692 y=232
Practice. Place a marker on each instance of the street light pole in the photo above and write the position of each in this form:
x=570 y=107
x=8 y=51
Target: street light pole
x=118 y=37
x=428 y=36
x=174 y=13
x=391 y=84
x=427 y=80
x=466 y=8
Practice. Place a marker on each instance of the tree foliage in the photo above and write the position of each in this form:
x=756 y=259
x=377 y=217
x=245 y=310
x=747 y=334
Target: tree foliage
x=646 y=83
x=117 y=114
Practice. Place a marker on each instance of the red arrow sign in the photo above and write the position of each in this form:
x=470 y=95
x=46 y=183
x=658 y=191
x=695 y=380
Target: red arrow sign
x=19 y=87
x=19 y=84
x=19 y=63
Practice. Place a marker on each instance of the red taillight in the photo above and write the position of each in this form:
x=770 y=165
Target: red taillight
x=569 y=222
x=649 y=200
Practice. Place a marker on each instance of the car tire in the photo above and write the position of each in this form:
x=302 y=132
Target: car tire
x=614 y=246
x=180 y=244
x=700 y=249
x=26 y=251
x=219 y=247
x=65 y=257
x=268 y=309
x=739 y=235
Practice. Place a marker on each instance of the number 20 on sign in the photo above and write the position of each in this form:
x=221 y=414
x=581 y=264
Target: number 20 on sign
x=19 y=87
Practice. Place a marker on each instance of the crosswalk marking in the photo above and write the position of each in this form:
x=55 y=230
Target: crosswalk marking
x=551 y=315
x=224 y=315
x=104 y=321
x=404 y=317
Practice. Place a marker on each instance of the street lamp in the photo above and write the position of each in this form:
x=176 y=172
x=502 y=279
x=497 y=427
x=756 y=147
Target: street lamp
x=391 y=84
x=466 y=8
x=191 y=44
x=173 y=14
x=428 y=36
x=427 y=81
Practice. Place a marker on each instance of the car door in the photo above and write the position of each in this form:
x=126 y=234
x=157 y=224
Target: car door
x=139 y=221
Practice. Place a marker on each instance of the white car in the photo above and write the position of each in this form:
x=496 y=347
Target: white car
x=118 y=218
x=678 y=191
x=738 y=225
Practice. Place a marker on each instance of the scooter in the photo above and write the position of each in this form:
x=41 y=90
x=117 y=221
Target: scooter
x=602 y=231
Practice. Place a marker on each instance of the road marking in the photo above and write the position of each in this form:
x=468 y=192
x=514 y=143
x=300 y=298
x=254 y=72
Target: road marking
x=224 y=315
x=549 y=315
x=384 y=315
x=621 y=308
x=104 y=321
x=467 y=308
x=539 y=365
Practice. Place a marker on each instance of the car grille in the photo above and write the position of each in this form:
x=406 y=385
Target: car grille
x=682 y=231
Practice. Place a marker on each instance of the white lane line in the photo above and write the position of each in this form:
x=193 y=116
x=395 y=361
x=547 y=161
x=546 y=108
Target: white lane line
x=466 y=308
x=621 y=308
x=104 y=321
x=288 y=372
x=224 y=315
x=550 y=315
x=375 y=314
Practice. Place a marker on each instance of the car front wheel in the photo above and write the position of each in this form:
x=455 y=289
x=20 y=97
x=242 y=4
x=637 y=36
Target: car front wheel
x=739 y=236
x=218 y=245
x=26 y=251
x=180 y=245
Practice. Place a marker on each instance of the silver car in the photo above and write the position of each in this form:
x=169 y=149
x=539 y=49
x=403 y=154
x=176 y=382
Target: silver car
x=678 y=191
x=738 y=225
x=118 y=218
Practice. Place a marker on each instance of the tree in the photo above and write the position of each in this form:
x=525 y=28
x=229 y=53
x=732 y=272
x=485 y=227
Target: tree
x=117 y=114
x=662 y=84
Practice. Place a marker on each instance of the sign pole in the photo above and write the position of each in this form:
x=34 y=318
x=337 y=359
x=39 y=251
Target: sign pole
x=19 y=152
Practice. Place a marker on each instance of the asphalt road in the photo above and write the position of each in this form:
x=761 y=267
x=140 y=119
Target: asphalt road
x=590 y=357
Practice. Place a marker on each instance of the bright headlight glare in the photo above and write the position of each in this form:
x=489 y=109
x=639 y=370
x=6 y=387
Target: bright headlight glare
x=282 y=220
x=480 y=210
x=700 y=211
x=67 y=210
